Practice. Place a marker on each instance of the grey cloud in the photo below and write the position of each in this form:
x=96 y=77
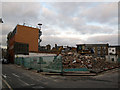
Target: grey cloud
x=61 y=41
x=6 y=28
x=0 y=10
x=61 y=13
x=94 y=29
x=66 y=8
x=102 y=13
x=95 y=12
x=20 y=12
x=74 y=16
x=88 y=12
x=4 y=39
x=70 y=8
x=48 y=17
x=50 y=32
x=114 y=21
x=111 y=39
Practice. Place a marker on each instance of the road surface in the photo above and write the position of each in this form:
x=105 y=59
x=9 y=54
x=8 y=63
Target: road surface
x=19 y=77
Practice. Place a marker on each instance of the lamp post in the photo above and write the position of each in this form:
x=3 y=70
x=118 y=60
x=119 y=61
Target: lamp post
x=40 y=33
x=39 y=24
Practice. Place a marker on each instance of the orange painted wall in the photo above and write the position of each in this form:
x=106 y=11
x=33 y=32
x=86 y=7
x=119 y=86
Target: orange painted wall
x=28 y=35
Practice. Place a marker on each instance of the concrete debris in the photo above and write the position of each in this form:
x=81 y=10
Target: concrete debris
x=73 y=60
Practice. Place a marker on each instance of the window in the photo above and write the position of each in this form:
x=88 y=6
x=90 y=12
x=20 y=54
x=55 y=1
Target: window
x=104 y=52
x=98 y=52
x=79 y=47
x=104 y=47
x=112 y=50
x=112 y=59
x=98 y=48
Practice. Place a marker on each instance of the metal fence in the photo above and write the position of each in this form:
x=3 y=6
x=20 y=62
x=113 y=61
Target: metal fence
x=42 y=63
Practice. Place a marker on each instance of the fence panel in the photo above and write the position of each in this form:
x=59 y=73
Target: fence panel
x=44 y=63
x=51 y=64
x=27 y=62
x=35 y=63
x=19 y=60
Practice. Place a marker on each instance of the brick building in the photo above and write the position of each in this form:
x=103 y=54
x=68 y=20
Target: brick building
x=22 y=40
x=93 y=49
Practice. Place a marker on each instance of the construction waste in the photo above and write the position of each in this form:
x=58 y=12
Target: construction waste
x=74 y=60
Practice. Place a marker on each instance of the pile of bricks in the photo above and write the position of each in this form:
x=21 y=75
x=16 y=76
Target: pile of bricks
x=75 y=60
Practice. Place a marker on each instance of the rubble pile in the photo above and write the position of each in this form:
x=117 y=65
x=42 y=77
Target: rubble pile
x=74 y=60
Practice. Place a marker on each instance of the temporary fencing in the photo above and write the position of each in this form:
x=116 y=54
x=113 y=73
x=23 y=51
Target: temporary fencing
x=42 y=63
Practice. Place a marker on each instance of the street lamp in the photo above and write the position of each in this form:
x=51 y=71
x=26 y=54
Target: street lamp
x=40 y=33
x=39 y=24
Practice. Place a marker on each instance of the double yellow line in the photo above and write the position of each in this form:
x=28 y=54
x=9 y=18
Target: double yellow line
x=6 y=83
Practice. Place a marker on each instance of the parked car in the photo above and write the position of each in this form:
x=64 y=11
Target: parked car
x=4 y=61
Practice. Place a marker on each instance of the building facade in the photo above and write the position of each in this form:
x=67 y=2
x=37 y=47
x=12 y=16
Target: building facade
x=113 y=54
x=93 y=49
x=26 y=36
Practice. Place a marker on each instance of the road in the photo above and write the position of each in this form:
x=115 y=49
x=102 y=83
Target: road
x=19 y=77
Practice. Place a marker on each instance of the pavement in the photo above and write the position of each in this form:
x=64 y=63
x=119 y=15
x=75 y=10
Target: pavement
x=18 y=77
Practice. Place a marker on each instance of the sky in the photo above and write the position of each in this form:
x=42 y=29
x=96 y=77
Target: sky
x=64 y=23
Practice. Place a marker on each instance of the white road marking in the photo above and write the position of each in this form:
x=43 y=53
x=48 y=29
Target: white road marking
x=38 y=87
x=56 y=80
x=32 y=84
x=15 y=75
x=4 y=76
x=24 y=82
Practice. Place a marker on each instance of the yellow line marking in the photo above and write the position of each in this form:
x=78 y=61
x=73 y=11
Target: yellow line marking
x=6 y=84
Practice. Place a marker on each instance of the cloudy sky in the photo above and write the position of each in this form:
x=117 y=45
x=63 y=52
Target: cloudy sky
x=64 y=23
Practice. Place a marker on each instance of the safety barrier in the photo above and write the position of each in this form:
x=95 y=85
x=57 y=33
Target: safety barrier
x=42 y=63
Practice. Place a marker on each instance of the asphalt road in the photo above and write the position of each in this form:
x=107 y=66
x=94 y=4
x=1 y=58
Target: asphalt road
x=19 y=77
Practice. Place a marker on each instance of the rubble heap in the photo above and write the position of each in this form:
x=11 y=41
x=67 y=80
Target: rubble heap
x=75 y=60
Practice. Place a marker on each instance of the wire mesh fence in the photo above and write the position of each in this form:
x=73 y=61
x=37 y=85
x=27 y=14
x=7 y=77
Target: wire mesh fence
x=42 y=63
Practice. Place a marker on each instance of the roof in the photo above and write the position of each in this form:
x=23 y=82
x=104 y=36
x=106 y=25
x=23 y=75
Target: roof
x=28 y=26
x=35 y=55
x=92 y=44
x=115 y=46
x=118 y=47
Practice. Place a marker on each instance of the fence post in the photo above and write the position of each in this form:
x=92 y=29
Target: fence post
x=40 y=61
x=61 y=66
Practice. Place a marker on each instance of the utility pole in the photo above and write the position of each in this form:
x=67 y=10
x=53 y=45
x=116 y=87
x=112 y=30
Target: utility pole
x=40 y=33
